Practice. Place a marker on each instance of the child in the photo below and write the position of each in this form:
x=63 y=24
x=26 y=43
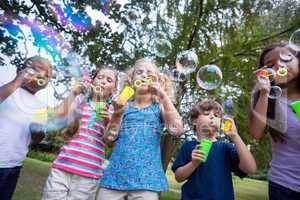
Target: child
x=76 y=171
x=18 y=105
x=278 y=117
x=135 y=168
x=211 y=179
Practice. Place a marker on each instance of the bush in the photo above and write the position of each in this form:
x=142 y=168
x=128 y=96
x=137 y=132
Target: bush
x=42 y=156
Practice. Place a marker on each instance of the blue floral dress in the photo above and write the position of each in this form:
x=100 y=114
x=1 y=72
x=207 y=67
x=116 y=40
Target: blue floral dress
x=135 y=163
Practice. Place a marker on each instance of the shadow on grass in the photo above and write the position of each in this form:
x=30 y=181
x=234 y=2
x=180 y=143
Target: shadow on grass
x=35 y=173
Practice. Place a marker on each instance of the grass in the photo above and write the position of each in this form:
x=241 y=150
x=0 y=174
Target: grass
x=35 y=172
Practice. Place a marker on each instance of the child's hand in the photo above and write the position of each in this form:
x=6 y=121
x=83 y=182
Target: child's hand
x=111 y=133
x=25 y=76
x=71 y=129
x=263 y=85
x=157 y=90
x=78 y=88
x=119 y=106
x=197 y=156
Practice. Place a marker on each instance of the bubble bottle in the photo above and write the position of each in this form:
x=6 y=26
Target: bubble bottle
x=229 y=114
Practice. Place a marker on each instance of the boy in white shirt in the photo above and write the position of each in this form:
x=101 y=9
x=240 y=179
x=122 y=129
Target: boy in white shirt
x=17 y=108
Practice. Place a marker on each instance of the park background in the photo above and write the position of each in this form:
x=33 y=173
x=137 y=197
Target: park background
x=228 y=33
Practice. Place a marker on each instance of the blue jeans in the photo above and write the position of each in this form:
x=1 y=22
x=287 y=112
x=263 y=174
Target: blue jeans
x=279 y=192
x=8 y=182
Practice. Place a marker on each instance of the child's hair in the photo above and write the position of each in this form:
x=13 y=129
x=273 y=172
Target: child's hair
x=163 y=79
x=29 y=61
x=203 y=106
x=275 y=134
x=95 y=72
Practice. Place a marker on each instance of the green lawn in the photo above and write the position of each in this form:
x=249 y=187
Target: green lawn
x=34 y=174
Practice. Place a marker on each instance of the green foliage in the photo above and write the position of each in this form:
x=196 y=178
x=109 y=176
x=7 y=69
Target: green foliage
x=228 y=33
x=42 y=156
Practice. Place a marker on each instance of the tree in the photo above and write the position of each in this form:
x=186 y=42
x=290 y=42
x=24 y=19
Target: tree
x=228 y=33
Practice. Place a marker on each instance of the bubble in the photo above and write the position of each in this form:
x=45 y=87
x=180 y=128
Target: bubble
x=187 y=61
x=189 y=138
x=177 y=75
x=60 y=76
x=28 y=63
x=172 y=129
x=294 y=41
x=54 y=124
x=54 y=74
x=133 y=16
x=271 y=73
x=285 y=56
x=217 y=121
x=29 y=73
x=162 y=48
x=228 y=107
x=275 y=92
x=105 y=164
x=209 y=77
x=73 y=59
x=74 y=71
x=161 y=35
x=249 y=147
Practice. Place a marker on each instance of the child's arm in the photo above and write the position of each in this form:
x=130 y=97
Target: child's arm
x=182 y=173
x=258 y=116
x=247 y=162
x=63 y=109
x=38 y=130
x=7 y=89
x=171 y=116
x=169 y=113
x=112 y=129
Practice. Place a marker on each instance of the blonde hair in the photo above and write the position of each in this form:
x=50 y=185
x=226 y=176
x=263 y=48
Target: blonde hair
x=163 y=79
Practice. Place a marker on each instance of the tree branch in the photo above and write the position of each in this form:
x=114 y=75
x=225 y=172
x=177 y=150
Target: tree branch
x=196 y=24
x=53 y=20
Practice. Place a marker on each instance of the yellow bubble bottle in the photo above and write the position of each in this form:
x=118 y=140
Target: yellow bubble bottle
x=227 y=125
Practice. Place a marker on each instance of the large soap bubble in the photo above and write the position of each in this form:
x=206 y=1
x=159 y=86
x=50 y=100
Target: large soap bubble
x=187 y=61
x=133 y=16
x=162 y=47
x=209 y=77
x=294 y=41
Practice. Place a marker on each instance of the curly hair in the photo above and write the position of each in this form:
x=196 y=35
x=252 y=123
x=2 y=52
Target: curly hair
x=203 y=106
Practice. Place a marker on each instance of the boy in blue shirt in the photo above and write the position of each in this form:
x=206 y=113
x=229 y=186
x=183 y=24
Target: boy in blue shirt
x=212 y=179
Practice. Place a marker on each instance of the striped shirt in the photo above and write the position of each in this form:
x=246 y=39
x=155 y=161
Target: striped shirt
x=84 y=153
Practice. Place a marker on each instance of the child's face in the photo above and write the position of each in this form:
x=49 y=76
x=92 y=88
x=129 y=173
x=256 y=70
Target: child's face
x=272 y=59
x=206 y=125
x=143 y=70
x=43 y=71
x=105 y=83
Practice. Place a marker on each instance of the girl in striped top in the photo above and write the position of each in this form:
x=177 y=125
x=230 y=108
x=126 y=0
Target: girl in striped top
x=77 y=169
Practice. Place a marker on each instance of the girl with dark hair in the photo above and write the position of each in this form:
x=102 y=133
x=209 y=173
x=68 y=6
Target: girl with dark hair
x=277 y=116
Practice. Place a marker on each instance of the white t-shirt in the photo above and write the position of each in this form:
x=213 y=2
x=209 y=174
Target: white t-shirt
x=16 y=113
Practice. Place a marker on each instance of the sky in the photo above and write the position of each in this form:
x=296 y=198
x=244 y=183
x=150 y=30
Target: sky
x=47 y=95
